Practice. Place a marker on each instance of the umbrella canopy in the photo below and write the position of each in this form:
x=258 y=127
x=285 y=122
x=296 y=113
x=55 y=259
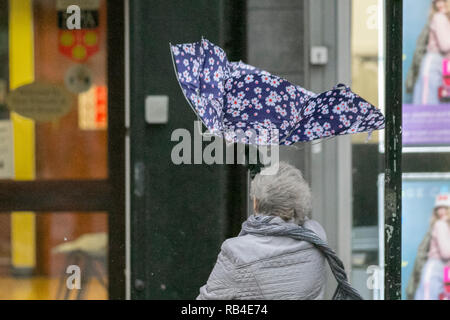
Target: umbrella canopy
x=242 y=103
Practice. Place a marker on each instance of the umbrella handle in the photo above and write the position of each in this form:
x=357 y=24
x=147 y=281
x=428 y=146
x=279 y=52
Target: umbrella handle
x=256 y=167
x=340 y=85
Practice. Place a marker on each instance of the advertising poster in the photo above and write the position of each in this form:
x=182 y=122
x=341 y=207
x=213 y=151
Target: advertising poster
x=426 y=74
x=426 y=203
x=425 y=209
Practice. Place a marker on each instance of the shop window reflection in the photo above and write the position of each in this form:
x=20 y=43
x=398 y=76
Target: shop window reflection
x=65 y=259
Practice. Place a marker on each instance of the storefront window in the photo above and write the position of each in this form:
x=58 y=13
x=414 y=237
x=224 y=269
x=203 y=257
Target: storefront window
x=426 y=161
x=426 y=143
x=53 y=128
x=366 y=159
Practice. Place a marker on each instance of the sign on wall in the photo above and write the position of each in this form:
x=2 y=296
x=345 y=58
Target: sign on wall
x=40 y=101
x=92 y=109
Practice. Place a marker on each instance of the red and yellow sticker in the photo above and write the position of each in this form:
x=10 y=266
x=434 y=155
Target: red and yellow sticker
x=79 y=45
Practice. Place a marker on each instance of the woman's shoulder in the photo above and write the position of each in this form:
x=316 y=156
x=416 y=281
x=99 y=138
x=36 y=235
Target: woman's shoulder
x=441 y=225
x=438 y=19
x=441 y=228
x=241 y=249
x=249 y=249
x=315 y=226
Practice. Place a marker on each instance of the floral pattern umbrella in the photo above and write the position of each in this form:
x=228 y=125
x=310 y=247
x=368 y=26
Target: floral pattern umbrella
x=242 y=103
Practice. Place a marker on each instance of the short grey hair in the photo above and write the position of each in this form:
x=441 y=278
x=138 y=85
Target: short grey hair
x=285 y=194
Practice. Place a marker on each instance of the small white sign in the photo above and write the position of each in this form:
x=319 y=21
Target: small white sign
x=319 y=55
x=157 y=109
x=6 y=150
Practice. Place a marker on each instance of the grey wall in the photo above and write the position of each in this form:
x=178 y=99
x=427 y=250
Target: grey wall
x=331 y=160
x=276 y=42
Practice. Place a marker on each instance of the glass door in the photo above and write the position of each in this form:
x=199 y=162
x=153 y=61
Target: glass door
x=61 y=141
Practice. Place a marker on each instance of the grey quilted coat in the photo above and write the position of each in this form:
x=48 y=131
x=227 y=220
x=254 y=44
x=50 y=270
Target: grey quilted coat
x=268 y=268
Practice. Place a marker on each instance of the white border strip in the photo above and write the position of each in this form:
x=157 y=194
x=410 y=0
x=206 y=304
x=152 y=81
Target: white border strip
x=381 y=69
x=379 y=294
x=426 y=175
x=429 y=149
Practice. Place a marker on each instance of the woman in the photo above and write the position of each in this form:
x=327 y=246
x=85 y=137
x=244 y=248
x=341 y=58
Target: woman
x=438 y=47
x=280 y=252
x=432 y=282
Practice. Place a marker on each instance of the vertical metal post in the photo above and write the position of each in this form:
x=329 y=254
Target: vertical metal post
x=393 y=150
x=116 y=146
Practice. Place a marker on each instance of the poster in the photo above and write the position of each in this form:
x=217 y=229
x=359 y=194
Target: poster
x=422 y=195
x=426 y=75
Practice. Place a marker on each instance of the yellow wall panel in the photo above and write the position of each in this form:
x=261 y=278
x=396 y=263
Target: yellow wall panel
x=21 y=66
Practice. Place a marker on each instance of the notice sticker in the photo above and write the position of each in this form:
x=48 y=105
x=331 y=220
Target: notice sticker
x=93 y=109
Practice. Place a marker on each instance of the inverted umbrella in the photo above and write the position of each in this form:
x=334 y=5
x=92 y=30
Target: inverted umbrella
x=242 y=103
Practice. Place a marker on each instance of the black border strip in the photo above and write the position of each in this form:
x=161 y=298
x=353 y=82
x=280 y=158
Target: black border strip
x=393 y=153
x=116 y=147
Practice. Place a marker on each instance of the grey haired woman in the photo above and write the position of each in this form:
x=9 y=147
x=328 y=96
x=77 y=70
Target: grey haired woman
x=280 y=252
